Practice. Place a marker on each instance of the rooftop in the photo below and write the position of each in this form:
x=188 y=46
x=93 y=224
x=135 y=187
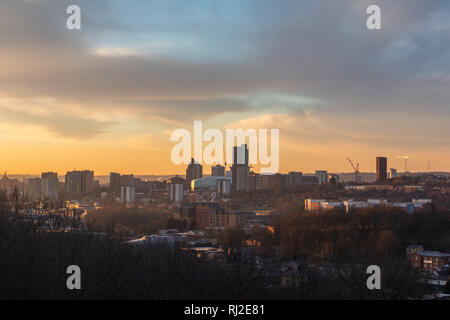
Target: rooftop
x=433 y=254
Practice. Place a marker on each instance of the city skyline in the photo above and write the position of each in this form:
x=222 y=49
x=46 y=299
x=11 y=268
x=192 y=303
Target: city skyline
x=396 y=163
x=107 y=97
x=222 y=156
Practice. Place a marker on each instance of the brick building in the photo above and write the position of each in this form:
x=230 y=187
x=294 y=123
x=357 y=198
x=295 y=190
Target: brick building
x=211 y=215
x=203 y=213
x=430 y=260
x=228 y=219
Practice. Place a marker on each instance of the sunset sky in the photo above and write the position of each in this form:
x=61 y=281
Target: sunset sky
x=107 y=97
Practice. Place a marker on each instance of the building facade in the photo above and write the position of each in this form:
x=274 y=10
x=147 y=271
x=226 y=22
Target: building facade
x=176 y=192
x=218 y=171
x=50 y=185
x=127 y=195
x=430 y=260
x=193 y=171
x=203 y=213
x=223 y=188
x=79 y=182
x=392 y=173
x=322 y=176
x=381 y=168
x=114 y=183
x=35 y=188
x=240 y=170
x=211 y=215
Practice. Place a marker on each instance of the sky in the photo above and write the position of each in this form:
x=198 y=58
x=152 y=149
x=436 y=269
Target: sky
x=107 y=97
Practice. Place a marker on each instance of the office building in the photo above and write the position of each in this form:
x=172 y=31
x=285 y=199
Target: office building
x=35 y=188
x=241 y=178
x=79 y=182
x=392 y=173
x=333 y=179
x=381 y=168
x=50 y=185
x=240 y=155
x=176 y=189
x=322 y=177
x=127 y=195
x=176 y=192
x=294 y=179
x=240 y=169
x=10 y=185
x=203 y=212
x=218 y=171
x=114 y=183
x=193 y=171
x=206 y=183
x=127 y=180
x=223 y=188
x=252 y=181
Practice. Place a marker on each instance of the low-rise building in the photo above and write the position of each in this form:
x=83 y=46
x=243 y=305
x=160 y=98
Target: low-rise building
x=313 y=204
x=203 y=213
x=430 y=260
x=321 y=204
x=413 y=249
x=322 y=176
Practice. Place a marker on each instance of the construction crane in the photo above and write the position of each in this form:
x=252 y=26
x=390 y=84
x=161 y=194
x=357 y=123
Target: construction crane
x=357 y=177
x=406 y=158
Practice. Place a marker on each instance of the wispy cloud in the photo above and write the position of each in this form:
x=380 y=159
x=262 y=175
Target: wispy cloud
x=58 y=124
x=116 y=52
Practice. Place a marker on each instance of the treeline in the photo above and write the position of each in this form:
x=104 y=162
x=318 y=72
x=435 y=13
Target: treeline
x=117 y=220
x=374 y=232
x=33 y=265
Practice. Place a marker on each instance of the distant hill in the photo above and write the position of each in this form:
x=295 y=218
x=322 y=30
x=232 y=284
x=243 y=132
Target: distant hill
x=366 y=176
x=372 y=176
x=105 y=179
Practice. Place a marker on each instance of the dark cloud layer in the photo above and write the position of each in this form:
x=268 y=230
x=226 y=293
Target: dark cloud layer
x=315 y=49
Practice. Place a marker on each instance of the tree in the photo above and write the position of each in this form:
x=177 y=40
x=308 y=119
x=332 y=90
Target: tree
x=193 y=224
x=180 y=225
x=263 y=236
x=232 y=237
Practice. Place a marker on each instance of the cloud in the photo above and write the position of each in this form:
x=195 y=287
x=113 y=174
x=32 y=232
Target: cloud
x=116 y=52
x=169 y=62
x=320 y=139
x=58 y=124
x=316 y=49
